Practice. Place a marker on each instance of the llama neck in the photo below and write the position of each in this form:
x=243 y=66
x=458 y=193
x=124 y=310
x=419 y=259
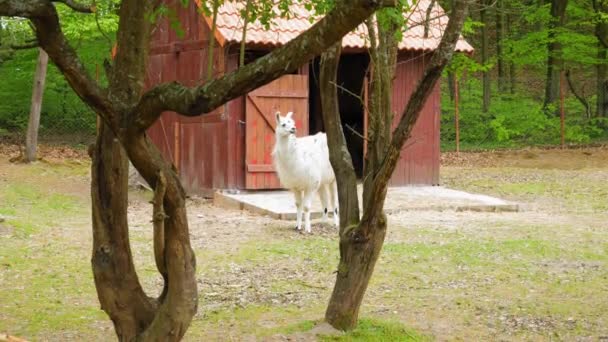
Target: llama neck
x=286 y=146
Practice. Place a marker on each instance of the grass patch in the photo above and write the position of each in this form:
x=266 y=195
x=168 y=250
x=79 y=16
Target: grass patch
x=28 y=208
x=47 y=288
x=374 y=330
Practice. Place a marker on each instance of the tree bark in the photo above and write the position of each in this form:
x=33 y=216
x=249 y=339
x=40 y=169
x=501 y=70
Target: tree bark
x=485 y=54
x=554 y=50
x=118 y=287
x=31 y=140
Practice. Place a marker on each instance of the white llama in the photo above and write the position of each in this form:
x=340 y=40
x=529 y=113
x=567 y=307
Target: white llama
x=303 y=167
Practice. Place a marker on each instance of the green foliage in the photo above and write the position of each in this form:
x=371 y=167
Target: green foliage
x=62 y=110
x=513 y=120
x=91 y=35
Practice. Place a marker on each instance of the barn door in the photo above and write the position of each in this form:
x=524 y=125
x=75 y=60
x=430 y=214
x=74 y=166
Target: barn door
x=286 y=94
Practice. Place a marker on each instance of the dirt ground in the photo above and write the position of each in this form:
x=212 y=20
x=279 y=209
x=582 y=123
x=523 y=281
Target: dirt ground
x=539 y=274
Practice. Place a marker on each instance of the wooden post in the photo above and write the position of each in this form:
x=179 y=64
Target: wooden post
x=457 y=114
x=562 y=114
x=31 y=140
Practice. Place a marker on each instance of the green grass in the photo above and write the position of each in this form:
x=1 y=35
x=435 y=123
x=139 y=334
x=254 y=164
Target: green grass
x=375 y=330
x=49 y=288
x=443 y=276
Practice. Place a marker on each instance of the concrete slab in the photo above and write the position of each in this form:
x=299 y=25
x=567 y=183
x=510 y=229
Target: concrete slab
x=280 y=204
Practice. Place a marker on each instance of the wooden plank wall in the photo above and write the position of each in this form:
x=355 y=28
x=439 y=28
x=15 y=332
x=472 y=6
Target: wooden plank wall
x=419 y=162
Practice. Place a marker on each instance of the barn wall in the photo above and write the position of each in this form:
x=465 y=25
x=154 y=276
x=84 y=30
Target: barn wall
x=419 y=162
x=197 y=146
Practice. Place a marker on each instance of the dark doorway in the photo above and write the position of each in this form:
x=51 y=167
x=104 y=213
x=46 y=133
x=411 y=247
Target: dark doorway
x=351 y=78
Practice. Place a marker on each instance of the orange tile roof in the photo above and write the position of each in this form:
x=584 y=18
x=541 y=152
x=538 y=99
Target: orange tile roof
x=282 y=30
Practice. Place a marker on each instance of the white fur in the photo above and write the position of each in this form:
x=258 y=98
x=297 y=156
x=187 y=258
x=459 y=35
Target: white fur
x=303 y=167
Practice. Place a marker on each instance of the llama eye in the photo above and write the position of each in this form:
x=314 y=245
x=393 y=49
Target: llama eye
x=283 y=125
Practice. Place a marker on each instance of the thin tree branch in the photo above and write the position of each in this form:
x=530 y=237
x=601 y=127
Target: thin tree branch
x=244 y=33
x=76 y=6
x=427 y=21
x=441 y=57
x=345 y=17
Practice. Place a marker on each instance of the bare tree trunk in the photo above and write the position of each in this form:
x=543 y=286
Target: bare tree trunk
x=554 y=51
x=340 y=158
x=602 y=82
x=500 y=36
x=485 y=54
x=601 y=32
x=134 y=314
x=31 y=140
x=451 y=85
x=118 y=287
x=361 y=242
x=512 y=67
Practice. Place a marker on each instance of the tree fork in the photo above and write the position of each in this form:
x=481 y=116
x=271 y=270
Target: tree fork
x=360 y=244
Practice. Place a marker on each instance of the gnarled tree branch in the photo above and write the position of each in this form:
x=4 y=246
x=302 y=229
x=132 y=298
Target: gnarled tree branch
x=345 y=17
x=23 y=8
x=53 y=41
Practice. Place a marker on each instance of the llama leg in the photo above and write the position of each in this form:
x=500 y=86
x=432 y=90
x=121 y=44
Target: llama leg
x=307 y=207
x=323 y=196
x=298 y=196
x=333 y=196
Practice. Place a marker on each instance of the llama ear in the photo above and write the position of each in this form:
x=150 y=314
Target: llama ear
x=278 y=116
x=289 y=115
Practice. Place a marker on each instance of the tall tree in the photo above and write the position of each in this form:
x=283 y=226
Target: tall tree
x=555 y=61
x=500 y=37
x=512 y=67
x=361 y=238
x=485 y=52
x=601 y=31
x=127 y=112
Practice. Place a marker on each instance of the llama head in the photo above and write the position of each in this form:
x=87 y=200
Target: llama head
x=285 y=124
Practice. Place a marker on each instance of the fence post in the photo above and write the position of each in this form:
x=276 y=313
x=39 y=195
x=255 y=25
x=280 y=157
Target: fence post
x=31 y=139
x=457 y=114
x=562 y=114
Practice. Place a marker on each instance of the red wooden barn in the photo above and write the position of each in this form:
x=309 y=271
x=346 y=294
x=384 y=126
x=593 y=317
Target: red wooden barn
x=230 y=147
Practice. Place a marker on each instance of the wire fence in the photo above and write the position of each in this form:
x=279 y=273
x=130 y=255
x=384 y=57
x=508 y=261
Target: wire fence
x=72 y=131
